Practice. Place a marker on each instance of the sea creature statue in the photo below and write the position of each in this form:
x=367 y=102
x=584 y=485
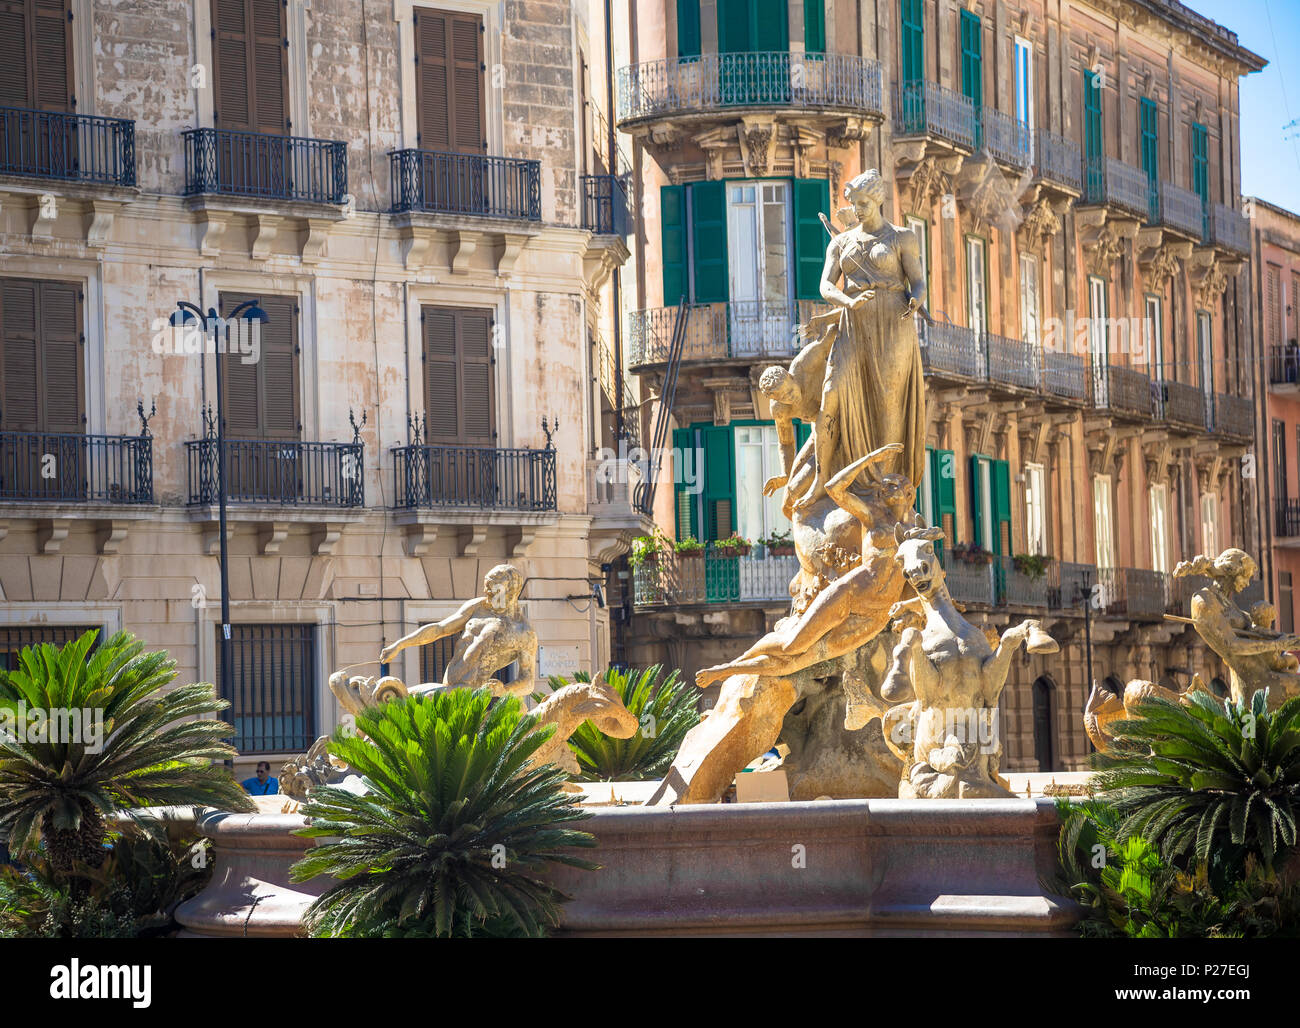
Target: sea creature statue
x=1245 y=640
x=567 y=708
x=953 y=680
x=1105 y=708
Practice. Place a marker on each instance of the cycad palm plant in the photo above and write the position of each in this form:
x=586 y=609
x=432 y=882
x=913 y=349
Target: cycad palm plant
x=666 y=709
x=453 y=828
x=137 y=745
x=1207 y=779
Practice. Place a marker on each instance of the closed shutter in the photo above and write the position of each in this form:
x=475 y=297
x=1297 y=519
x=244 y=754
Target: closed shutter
x=770 y=26
x=684 y=495
x=1002 y=540
x=1273 y=304
x=811 y=199
x=450 y=56
x=734 y=26
x=36 y=54
x=458 y=367
x=913 y=41
x=978 y=513
x=719 y=483
x=15 y=82
x=261 y=398
x=943 y=482
x=972 y=69
x=1091 y=114
x=41 y=360
x=672 y=225
x=251 y=77
x=1149 y=141
x=688 y=28
x=709 y=236
x=1200 y=164
x=814 y=26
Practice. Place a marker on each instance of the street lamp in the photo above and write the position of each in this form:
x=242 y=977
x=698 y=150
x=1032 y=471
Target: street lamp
x=1083 y=592
x=187 y=314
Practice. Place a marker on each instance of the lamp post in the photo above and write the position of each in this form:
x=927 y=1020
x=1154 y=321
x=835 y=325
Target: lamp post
x=187 y=313
x=1083 y=592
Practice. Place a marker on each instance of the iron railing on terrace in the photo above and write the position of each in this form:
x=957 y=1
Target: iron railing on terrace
x=283 y=472
x=1183 y=404
x=1013 y=362
x=1122 y=389
x=265 y=166
x=1234 y=415
x=477 y=477
x=1005 y=138
x=460 y=183
x=1284 y=364
x=1175 y=207
x=1065 y=375
x=1134 y=592
x=694 y=85
x=69 y=467
x=949 y=349
x=604 y=205
x=1287 y=522
x=1227 y=228
x=716 y=331
x=1057 y=159
x=70 y=147
x=924 y=108
x=1113 y=183
x=714 y=578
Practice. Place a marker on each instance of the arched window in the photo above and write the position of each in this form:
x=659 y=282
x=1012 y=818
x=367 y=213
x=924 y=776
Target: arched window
x=1219 y=687
x=1044 y=727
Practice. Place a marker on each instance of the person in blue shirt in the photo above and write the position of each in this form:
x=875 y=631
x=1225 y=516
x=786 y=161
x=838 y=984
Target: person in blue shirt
x=263 y=784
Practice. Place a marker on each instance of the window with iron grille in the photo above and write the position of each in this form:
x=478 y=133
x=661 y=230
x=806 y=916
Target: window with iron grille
x=272 y=686
x=15 y=638
x=435 y=657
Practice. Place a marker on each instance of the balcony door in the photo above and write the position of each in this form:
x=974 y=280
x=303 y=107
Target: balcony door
x=1095 y=173
x=756 y=33
x=1160 y=528
x=250 y=83
x=976 y=285
x=1205 y=357
x=451 y=118
x=972 y=70
x=1035 y=508
x=42 y=392
x=460 y=410
x=759 y=245
x=261 y=400
x=1103 y=510
x=1280 y=492
x=36 y=74
x=1024 y=68
x=1099 y=357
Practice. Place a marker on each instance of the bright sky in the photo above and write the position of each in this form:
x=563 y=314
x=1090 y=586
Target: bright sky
x=1270 y=99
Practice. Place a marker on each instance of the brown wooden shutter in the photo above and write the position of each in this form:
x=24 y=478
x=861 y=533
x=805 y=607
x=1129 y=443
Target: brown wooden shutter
x=458 y=394
x=41 y=361
x=450 y=48
x=250 y=76
x=15 y=78
x=52 y=46
x=261 y=399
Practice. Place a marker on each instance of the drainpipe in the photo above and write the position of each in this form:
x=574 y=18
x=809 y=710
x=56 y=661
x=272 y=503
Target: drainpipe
x=616 y=300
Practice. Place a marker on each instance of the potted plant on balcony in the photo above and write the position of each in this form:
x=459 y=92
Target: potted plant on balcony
x=645 y=551
x=971 y=553
x=1032 y=565
x=779 y=544
x=736 y=546
x=689 y=547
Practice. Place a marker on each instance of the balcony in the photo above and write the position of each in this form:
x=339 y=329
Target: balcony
x=474 y=478
x=1004 y=138
x=265 y=167
x=67 y=147
x=458 y=183
x=703 y=85
x=68 y=467
x=1284 y=368
x=1108 y=182
x=1122 y=391
x=1134 y=592
x=1234 y=416
x=278 y=472
x=969 y=583
x=1182 y=405
x=604 y=205
x=924 y=108
x=1171 y=206
x=674 y=579
x=1012 y=362
x=1286 y=524
x=1057 y=161
x=739 y=330
x=1065 y=376
x=952 y=350
x=1227 y=229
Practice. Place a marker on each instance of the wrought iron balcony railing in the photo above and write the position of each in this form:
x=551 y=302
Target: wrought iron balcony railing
x=459 y=183
x=1057 y=159
x=712 y=577
x=1112 y=183
x=924 y=108
x=1234 y=416
x=265 y=166
x=1227 y=228
x=68 y=467
x=1284 y=365
x=1065 y=375
x=1005 y=138
x=604 y=205
x=1013 y=362
x=1183 y=404
x=1176 y=208
x=282 y=472
x=741 y=329
x=70 y=147
x=948 y=349
x=477 y=477
x=1121 y=389
x=1287 y=522
x=695 y=85
x=1134 y=592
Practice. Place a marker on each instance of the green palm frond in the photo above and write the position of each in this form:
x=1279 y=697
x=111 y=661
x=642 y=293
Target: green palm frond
x=454 y=830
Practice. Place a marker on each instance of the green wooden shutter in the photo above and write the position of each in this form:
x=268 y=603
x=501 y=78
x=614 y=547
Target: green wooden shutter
x=1091 y=114
x=672 y=225
x=1201 y=174
x=688 y=28
x=944 y=486
x=1149 y=148
x=1001 y=491
x=684 y=501
x=812 y=198
x=709 y=236
x=734 y=27
x=976 y=502
x=913 y=41
x=769 y=30
x=802 y=430
x=719 y=482
x=814 y=26
x=972 y=68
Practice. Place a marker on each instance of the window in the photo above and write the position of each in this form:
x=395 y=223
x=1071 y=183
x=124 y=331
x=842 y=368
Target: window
x=1024 y=57
x=1205 y=355
x=459 y=398
x=1030 y=312
x=1200 y=164
x=36 y=56
x=1097 y=343
x=972 y=68
x=977 y=298
x=814 y=26
x=450 y=82
x=1280 y=492
x=1159 y=502
x=16 y=638
x=41 y=377
x=688 y=35
x=273 y=686
x=921 y=228
x=1210 y=524
x=912 y=50
x=435 y=656
x=1035 y=508
x=991 y=503
x=1273 y=305
x=1103 y=521
x=1094 y=171
x=707 y=510
x=1044 y=735
x=251 y=75
x=1155 y=337
x=758 y=240
x=261 y=397
x=747 y=26
x=758 y=458
x=937 y=497
x=1149 y=148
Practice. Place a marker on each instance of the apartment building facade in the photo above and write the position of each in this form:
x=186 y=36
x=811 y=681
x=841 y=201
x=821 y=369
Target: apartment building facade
x=425 y=201
x=1072 y=171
